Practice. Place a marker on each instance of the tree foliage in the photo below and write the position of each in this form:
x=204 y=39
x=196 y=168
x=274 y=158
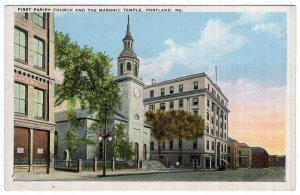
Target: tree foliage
x=96 y=92
x=167 y=125
x=120 y=147
x=74 y=141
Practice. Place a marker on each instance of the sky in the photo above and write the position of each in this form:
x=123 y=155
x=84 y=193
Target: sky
x=249 y=49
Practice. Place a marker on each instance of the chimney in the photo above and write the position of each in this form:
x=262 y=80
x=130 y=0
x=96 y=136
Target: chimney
x=153 y=81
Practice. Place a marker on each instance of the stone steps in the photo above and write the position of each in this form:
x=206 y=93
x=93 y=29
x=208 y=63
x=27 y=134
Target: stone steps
x=152 y=165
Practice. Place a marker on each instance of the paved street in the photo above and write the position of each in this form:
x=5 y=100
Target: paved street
x=269 y=174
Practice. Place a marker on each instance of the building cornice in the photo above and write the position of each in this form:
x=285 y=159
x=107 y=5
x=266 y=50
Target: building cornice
x=188 y=77
x=174 y=96
x=128 y=77
x=34 y=124
x=31 y=70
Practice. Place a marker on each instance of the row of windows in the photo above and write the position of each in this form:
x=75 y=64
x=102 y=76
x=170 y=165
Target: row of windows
x=218 y=111
x=20 y=100
x=162 y=106
x=171 y=89
x=37 y=18
x=211 y=145
x=171 y=145
x=20 y=48
x=213 y=91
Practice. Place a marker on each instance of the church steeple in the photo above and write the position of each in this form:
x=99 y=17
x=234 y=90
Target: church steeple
x=128 y=40
x=127 y=60
x=128 y=34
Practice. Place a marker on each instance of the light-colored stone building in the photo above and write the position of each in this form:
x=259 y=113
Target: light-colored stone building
x=199 y=95
x=33 y=92
x=132 y=96
x=83 y=152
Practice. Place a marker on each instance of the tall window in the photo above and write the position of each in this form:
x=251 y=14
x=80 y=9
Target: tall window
x=20 y=101
x=180 y=103
x=38 y=103
x=129 y=66
x=181 y=88
x=152 y=94
x=152 y=146
x=162 y=91
x=195 y=112
x=171 y=145
x=195 y=101
x=38 y=53
x=208 y=86
x=38 y=18
x=171 y=89
x=20 y=40
x=207 y=145
x=151 y=108
x=207 y=129
x=171 y=105
x=195 y=143
x=213 y=145
x=207 y=103
x=121 y=69
x=162 y=106
x=135 y=70
x=196 y=85
x=207 y=116
x=164 y=145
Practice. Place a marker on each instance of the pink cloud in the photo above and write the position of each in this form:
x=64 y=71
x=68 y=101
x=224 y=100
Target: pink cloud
x=257 y=114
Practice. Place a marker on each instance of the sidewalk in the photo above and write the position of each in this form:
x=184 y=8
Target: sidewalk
x=65 y=175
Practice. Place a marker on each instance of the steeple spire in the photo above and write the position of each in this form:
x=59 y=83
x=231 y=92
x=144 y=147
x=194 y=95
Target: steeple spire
x=128 y=62
x=128 y=34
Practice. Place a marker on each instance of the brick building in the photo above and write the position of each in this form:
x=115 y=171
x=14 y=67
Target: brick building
x=276 y=161
x=245 y=155
x=33 y=92
x=233 y=153
x=260 y=158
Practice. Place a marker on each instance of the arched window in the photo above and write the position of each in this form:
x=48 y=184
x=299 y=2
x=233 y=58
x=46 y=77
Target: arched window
x=136 y=70
x=129 y=66
x=121 y=69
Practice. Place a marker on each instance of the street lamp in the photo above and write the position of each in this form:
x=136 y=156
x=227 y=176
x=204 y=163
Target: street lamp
x=105 y=135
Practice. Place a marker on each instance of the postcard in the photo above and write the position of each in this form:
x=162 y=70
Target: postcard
x=102 y=96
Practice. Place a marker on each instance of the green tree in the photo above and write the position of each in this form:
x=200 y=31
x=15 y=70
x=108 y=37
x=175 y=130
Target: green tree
x=95 y=91
x=174 y=124
x=186 y=126
x=87 y=82
x=120 y=147
x=161 y=126
x=74 y=141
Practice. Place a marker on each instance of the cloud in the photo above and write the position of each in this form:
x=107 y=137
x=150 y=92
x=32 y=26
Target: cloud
x=198 y=55
x=257 y=114
x=170 y=43
x=270 y=28
x=250 y=18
